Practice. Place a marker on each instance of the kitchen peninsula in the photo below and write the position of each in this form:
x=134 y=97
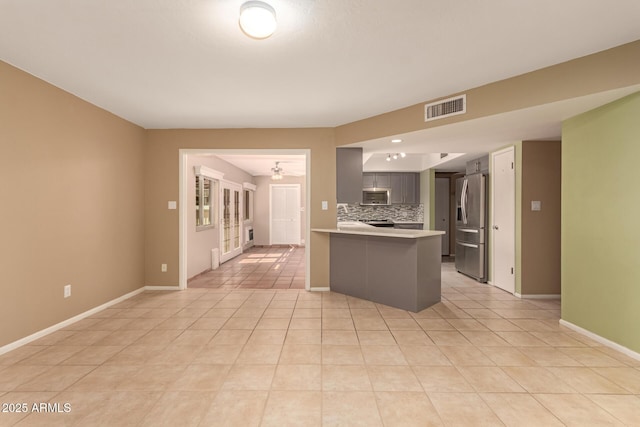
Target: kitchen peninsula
x=399 y=268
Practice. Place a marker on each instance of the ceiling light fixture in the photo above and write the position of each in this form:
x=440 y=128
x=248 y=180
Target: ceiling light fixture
x=395 y=156
x=276 y=172
x=396 y=141
x=257 y=19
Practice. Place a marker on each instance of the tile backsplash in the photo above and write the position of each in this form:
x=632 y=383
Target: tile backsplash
x=414 y=213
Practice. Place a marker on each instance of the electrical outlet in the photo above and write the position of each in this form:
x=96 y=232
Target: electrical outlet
x=67 y=291
x=536 y=205
x=163 y=268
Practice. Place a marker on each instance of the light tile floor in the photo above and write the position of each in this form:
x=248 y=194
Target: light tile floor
x=274 y=267
x=241 y=357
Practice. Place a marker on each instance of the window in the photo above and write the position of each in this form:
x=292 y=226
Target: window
x=247 y=205
x=205 y=202
x=207 y=182
x=247 y=199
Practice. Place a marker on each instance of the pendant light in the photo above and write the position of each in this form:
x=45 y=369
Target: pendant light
x=257 y=19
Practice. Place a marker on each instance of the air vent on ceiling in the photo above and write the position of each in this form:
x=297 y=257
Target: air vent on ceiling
x=445 y=108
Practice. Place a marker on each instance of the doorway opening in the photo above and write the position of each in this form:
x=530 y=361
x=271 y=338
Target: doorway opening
x=231 y=225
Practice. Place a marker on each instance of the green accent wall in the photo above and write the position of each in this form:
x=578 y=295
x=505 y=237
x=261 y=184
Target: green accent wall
x=600 y=237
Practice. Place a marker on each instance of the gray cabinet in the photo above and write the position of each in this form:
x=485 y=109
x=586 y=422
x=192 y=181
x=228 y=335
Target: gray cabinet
x=376 y=180
x=349 y=175
x=368 y=180
x=478 y=165
x=412 y=188
x=401 y=273
x=405 y=188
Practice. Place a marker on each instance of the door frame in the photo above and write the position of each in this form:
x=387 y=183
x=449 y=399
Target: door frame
x=184 y=210
x=447 y=234
x=492 y=176
x=271 y=187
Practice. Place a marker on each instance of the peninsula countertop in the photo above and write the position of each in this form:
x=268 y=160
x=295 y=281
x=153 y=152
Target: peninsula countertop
x=359 y=228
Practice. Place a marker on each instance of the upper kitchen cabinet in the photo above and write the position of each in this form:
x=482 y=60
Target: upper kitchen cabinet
x=478 y=165
x=376 y=180
x=349 y=175
x=405 y=188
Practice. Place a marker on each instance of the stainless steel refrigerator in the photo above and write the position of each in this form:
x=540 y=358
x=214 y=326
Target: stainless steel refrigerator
x=471 y=226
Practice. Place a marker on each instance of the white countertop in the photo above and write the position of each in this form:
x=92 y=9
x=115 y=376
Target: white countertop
x=359 y=228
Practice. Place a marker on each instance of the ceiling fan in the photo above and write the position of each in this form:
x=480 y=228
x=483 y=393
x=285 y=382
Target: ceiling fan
x=277 y=172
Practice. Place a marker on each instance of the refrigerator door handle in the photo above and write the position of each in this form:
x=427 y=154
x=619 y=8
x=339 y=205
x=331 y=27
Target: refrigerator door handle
x=468 y=245
x=469 y=230
x=463 y=200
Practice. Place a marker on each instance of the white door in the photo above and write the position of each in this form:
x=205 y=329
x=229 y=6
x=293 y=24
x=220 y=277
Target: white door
x=504 y=220
x=230 y=223
x=285 y=214
x=442 y=211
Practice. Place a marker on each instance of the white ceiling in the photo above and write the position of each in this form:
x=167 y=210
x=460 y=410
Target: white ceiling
x=480 y=136
x=260 y=164
x=186 y=64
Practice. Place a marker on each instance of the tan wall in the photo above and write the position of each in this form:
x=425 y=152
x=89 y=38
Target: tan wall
x=261 y=226
x=540 y=244
x=72 y=195
x=452 y=176
x=162 y=154
x=104 y=223
x=610 y=69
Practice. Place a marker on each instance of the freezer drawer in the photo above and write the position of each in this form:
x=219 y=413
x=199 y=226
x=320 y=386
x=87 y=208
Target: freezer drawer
x=470 y=260
x=470 y=235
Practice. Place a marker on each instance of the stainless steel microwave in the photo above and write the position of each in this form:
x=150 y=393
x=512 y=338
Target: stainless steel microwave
x=376 y=196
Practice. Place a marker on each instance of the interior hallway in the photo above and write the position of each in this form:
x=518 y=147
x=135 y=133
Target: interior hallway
x=276 y=357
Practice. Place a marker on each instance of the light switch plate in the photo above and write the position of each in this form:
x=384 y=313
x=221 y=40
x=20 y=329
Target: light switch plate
x=536 y=205
x=325 y=205
x=172 y=204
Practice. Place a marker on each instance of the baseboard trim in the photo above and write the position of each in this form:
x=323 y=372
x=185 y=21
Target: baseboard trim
x=161 y=288
x=537 y=296
x=601 y=340
x=65 y=323
x=318 y=289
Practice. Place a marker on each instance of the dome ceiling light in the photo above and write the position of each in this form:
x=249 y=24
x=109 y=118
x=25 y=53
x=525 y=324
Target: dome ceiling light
x=257 y=19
